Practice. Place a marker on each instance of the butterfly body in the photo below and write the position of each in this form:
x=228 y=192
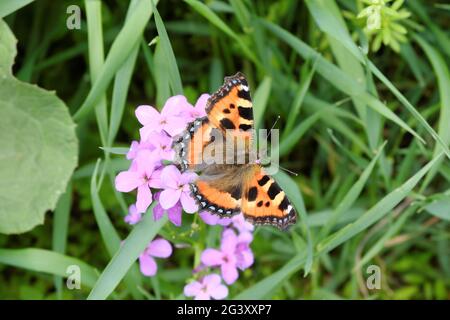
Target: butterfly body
x=220 y=148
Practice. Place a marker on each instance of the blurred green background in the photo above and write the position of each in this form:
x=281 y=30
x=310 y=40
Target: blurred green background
x=342 y=86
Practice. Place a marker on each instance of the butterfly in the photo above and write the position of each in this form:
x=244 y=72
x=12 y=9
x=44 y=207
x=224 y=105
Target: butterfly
x=224 y=185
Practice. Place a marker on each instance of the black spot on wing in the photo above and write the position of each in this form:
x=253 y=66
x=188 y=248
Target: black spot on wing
x=232 y=106
x=260 y=203
x=252 y=194
x=236 y=193
x=227 y=123
x=274 y=189
x=244 y=95
x=246 y=113
x=263 y=180
x=245 y=127
x=284 y=204
x=226 y=111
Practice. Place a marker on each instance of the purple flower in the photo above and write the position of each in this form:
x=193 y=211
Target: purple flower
x=133 y=215
x=173 y=213
x=213 y=219
x=191 y=113
x=162 y=145
x=176 y=188
x=170 y=119
x=159 y=248
x=136 y=147
x=241 y=224
x=244 y=254
x=234 y=253
x=139 y=176
x=208 y=287
x=225 y=258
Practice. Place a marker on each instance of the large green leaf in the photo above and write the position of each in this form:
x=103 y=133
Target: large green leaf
x=38 y=146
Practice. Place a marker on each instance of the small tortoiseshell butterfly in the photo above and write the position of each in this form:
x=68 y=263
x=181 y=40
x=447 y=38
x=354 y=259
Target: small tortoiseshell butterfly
x=227 y=187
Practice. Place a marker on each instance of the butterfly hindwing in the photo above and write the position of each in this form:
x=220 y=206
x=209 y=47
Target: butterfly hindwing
x=218 y=190
x=265 y=203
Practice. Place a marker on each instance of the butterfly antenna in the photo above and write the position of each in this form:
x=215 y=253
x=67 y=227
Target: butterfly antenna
x=273 y=126
x=288 y=171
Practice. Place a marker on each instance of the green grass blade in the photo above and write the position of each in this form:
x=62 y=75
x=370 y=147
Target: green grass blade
x=60 y=229
x=96 y=59
x=9 y=6
x=328 y=23
x=216 y=21
x=121 y=48
x=260 y=99
x=132 y=247
x=439 y=207
x=289 y=142
x=352 y=195
x=121 y=85
x=294 y=194
x=377 y=212
x=46 y=261
x=337 y=77
x=174 y=74
x=307 y=76
x=443 y=79
x=388 y=234
x=109 y=234
x=263 y=288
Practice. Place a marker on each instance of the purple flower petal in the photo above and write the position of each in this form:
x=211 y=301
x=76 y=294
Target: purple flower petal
x=146 y=161
x=127 y=181
x=245 y=259
x=174 y=105
x=159 y=248
x=229 y=273
x=133 y=215
x=241 y=224
x=201 y=104
x=213 y=219
x=211 y=257
x=192 y=289
x=169 y=198
x=144 y=198
x=158 y=212
x=188 y=203
x=174 y=214
x=147 y=265
x=170 y=177
x=202 y=296
x=155 y=180
x=211 y=280
x=229 y=241
x=218 y=292
x=245 y=237
x=175 y=126
x=147 y=115
x=187 y=177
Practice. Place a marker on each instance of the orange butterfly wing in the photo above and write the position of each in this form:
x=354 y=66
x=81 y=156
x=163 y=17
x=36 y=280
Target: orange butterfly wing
x=230 y=107
x=265 y=203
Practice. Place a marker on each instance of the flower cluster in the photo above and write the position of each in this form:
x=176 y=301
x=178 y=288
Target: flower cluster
x=383 y=23
x=147 y=170
x=154 y=178
x=234 y=254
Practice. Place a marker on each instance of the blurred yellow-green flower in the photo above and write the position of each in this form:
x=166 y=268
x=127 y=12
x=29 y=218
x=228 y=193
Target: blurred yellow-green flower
x=384 y=23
